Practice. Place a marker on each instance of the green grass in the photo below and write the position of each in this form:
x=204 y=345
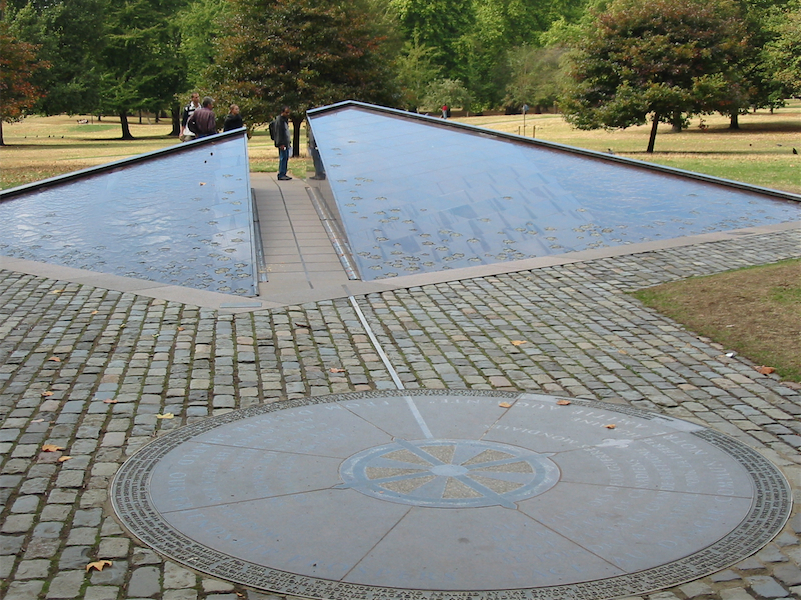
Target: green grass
x=755 y=312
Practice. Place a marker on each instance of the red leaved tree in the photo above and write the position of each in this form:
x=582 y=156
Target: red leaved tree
x=17 y=64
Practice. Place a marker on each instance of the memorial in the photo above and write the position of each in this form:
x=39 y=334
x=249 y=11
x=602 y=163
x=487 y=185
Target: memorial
x=451 y=495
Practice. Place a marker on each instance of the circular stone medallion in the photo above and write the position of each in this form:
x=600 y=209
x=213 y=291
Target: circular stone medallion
x=448 y=495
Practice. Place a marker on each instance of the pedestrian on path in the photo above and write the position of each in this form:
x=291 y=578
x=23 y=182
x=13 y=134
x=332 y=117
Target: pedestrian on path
x=282 y=142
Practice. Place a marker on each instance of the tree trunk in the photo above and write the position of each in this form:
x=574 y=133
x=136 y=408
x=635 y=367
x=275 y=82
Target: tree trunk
x=676 y=123
x=652 y=139
x=734 y=123
x=296 y=123
x=2 y=143
x=175 y=112
x=126 y=130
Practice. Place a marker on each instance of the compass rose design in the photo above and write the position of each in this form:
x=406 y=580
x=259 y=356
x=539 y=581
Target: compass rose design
x=449 y=473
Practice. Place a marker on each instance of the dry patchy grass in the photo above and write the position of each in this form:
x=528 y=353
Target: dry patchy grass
x=755 y=312
x=760 y=152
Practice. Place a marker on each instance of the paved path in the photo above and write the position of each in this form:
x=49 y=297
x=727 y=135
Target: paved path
x=88 y=364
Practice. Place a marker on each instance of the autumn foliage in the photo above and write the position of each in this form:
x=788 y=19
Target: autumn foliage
x=17 y=64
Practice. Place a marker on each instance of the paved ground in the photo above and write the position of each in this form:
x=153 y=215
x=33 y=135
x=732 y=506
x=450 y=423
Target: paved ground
x=70 y=342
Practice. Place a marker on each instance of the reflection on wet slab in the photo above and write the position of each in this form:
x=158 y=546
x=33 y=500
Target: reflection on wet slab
x=417 y=195
x=181 y=217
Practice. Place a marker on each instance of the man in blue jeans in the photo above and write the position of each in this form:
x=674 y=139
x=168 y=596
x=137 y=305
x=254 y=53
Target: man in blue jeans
x=282 y=141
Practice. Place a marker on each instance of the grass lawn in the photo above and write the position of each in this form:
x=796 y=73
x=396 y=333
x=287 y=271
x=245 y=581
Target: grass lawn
x=760 y=152
x=41 y=147
x=755 y=312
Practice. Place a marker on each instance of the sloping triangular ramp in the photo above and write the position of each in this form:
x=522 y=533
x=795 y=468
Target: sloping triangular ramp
x=181 y=216
x=418 y=194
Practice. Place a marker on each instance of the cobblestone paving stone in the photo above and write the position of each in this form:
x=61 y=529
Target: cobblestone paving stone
x=98 y=373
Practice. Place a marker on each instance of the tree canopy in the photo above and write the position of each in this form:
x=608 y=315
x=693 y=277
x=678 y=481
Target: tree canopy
x=659 y=58
x=299 y=53
x=17 y=65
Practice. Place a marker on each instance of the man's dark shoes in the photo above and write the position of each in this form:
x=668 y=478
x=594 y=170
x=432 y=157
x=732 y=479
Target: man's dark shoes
x=284 y=178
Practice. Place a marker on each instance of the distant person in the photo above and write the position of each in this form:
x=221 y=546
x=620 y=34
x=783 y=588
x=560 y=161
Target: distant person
x=194 y=104
x=282 y=142
x=233 y=120
x=203 y=121
x=445 y=112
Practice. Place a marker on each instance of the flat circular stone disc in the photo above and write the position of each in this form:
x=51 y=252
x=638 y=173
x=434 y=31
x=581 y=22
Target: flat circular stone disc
x=451 y=495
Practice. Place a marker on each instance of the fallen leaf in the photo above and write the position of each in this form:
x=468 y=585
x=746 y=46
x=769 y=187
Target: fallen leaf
x=563 y=402
x=622 y=352
x=38 y=421
x=56 y=291
x=765 y=370
x=166 y=416
x=202 y=183
x=180 y=329
x=109 y=401
x=335 y=370
x=518 y=342
x=46 y=394
x=64 y=458
x=610 y=426
x=51 y=448
x=99 y=565
x=94 y=312
x=504 y=405
x=54 y=359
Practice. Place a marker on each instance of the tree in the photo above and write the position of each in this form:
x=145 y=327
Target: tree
x=784 y=51
x=446 y=91
x=70 y=36
x=18 y=63
x=142 y=65
x=415 y=70
x=441 y=25
x=662 y=58
x=536 y=77
x=300 y=53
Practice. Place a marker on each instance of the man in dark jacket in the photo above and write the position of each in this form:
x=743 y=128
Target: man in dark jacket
x=282 y=141
x=203 y=121
x=233 y=120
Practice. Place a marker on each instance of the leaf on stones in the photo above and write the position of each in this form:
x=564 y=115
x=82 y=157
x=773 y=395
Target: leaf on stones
x=765 y=370
x=98 y=564
x=38 y=421
x=505 y=405
x=518 y=342
x=563 y=402
x=54 y=359
x=51 y=448
x=64 y=458
x=336 y=370
x=180 y=329
x=56 y=291
x=301 y=325
x=94 y=312
x=622 y=352
x=46 y=394
x=610 y=426
x=110 y=401
x=166 y=416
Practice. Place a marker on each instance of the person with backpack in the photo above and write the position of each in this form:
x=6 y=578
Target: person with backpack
x=279 y=131
x=203 y=121
x=194 y=104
